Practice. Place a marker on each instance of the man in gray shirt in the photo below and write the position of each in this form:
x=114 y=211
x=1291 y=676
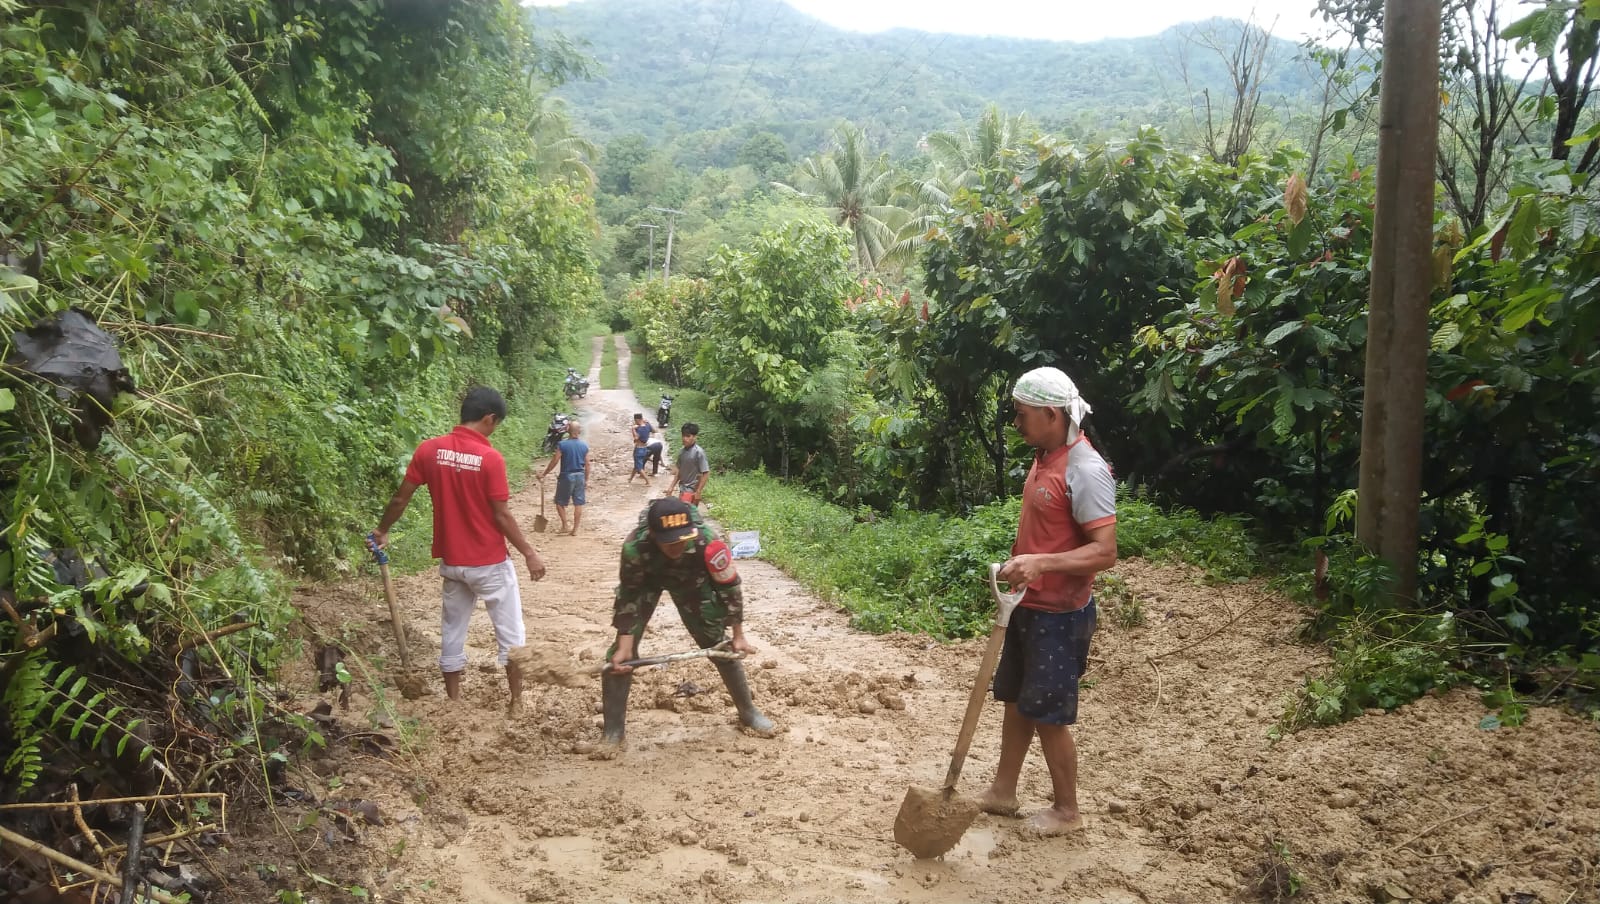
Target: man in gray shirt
x=693 y=470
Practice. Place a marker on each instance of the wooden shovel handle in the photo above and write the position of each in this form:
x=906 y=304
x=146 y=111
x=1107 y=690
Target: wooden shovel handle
x=394 y=617
x=969 y=724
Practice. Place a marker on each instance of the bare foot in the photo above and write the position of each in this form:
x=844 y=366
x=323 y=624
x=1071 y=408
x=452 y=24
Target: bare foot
x=989 y=802
x=573 y=532
x=606 y=750
x=515 y=709
x=1054 y=822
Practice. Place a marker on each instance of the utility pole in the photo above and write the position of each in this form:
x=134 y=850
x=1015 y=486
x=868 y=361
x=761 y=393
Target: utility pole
x=672 y=220
x=1397 y=332
x=652 y=227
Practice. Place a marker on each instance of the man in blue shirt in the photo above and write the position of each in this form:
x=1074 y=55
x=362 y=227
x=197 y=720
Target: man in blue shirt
x=572 y=454
x=641 y=446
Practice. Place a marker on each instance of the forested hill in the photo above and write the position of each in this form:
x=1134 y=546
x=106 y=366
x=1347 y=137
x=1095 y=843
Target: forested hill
x=671 y=67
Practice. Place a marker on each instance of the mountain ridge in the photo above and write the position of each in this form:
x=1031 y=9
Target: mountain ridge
x=672 y=68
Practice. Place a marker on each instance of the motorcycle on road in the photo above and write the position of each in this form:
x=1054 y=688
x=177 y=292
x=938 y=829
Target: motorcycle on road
x=557 y=431
x=664 y=410
x=577 y=385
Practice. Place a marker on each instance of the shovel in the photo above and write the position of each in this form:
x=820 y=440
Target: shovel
x=546 y=664
x=410 y=686
x=931 y=822
x=722 y=650
x=541 y=522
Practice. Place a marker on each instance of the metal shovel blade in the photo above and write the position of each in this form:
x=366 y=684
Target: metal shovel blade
x=932 y=821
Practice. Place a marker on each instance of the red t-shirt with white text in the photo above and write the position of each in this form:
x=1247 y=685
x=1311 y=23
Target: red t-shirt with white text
x=463 y=474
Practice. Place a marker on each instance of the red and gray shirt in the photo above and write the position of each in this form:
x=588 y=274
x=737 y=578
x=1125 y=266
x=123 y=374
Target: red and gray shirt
x=1069 y=492
x=464 y=475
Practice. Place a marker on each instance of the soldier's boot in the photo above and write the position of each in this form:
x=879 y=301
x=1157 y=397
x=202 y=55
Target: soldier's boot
x=739 y=689
x=614 y=705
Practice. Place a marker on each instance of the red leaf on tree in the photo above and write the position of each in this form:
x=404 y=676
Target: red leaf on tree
x=1230 y=279
x=1497 y=244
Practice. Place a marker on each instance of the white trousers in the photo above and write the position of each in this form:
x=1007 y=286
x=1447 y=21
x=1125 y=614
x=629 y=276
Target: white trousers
x=464 y=585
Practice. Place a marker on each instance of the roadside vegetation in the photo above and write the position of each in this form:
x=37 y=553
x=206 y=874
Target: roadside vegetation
x=291 y=235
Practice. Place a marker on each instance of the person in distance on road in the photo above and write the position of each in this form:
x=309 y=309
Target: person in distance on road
x=572 y=455
x=642 y=433
x=693 y=470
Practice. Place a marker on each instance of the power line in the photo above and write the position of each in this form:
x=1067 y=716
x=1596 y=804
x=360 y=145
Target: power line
x=778 y=8
x=652 y=227
x=716 y=44
x=901 y=87
x=894 y=63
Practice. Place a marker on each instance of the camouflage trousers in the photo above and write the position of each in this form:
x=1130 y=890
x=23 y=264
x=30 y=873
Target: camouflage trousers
x=704 y=617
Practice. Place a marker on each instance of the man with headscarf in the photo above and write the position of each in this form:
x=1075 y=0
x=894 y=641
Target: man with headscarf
x=1067 y=533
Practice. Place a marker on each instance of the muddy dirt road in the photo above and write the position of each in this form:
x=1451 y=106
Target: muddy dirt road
x=1187 y=800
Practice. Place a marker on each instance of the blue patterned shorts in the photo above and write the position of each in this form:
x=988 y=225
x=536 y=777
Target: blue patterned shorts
x=1045 y=655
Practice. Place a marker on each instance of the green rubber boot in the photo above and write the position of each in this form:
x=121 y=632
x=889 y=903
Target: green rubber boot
x=739 y=689
x=614 y=704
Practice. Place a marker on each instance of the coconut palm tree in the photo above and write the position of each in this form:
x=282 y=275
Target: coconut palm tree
x=961 y=155
x=858 y=191
x=958 y=159
x=558 y=153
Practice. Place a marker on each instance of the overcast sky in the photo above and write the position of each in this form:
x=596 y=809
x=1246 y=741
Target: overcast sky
x=1062 y=20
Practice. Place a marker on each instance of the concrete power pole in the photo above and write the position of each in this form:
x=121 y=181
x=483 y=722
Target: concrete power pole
x=672 y=221
x=652 y=227
x=1397 y=331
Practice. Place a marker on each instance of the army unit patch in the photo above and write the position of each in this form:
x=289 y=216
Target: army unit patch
x=719 y=563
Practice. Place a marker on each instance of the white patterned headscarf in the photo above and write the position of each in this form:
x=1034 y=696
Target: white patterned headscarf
x=1048 y=387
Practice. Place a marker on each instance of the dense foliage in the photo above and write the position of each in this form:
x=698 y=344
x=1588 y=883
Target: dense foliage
x=308 y=227
x=1213 y=310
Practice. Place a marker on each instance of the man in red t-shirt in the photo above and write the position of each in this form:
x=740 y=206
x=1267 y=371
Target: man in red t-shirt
x=1067 y=533
x=466 y=477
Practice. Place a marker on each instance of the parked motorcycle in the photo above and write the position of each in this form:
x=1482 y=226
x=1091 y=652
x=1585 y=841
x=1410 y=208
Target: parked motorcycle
x=664 y=410
x=557 y=431
x=577 y=385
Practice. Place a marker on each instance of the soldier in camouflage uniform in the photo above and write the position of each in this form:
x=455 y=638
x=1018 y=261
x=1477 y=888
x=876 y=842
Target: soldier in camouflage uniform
x=673 y=550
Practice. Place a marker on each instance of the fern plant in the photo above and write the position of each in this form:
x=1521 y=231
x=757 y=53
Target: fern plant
x=45 y=698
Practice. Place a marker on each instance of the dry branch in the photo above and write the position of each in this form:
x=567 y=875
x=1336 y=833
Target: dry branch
x=65 y=804
x=1202 y=639
x=174 y=649
x=168 y=838
x=130 y=863
x=78 y=866
x=77 y=817
x=1445 y=821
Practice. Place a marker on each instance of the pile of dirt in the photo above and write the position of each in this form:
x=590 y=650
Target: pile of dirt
x=550 y=664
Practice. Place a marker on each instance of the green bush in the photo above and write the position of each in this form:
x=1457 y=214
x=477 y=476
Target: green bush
x=928 y=573
x=1378 y=662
